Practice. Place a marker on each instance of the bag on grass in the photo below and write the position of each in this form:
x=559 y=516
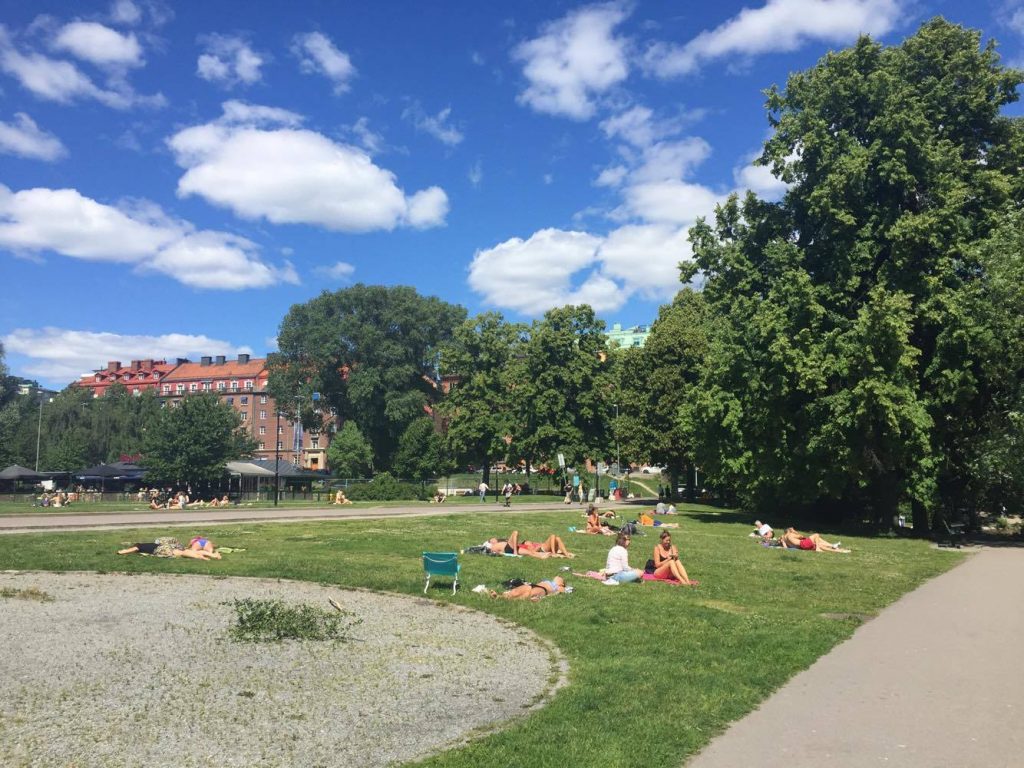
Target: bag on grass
x=649 y=568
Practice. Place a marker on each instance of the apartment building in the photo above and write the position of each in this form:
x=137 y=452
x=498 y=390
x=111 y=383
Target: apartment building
x=137 y=377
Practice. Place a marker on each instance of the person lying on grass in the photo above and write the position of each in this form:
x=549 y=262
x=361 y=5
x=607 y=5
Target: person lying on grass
x=203 y=544
x=763 y=531
x=646 y=519
x=792 y=539
x=666 y=561
x=533 y=592
x=170 y=547
x=553 y=546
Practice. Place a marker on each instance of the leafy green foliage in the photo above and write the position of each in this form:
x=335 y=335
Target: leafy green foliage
x=262 y=621
x=386 y=487
x=192 y=440
x=371 y=351
x=479 y=407
x=844 y=370
x=350 y=454
x=421 y=452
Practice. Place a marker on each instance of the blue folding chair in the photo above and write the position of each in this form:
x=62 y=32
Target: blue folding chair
x=441 y=564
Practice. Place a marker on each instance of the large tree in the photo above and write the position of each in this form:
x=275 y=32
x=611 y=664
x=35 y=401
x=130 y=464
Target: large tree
x=371 y=351
x=841 y=371
x=478 y=408
x=191 y=441
x=564 y=390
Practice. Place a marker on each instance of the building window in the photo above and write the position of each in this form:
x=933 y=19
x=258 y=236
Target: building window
x=179 y=388
x=245 y=400
x=221 y=386
x=263 y=399
x=234 y=385
x=193 y=387
x=167 y=389
x=206 y=386
x=263 y=430
x=229 y=400
x=244 y=415
x=314 y=443
x=135 y=391
x=280 y=430
x=248 y=384
x=263 y=446
x=263 y=414
x=280 y=445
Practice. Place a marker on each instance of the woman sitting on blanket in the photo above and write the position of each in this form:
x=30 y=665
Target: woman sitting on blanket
x=616 y=569
x=666 y=561
x=594 y=524
x=792 y=539
x=533 y=592
x=553 y=546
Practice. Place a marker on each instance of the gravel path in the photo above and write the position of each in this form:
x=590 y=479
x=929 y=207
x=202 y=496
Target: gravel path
x=137 y=670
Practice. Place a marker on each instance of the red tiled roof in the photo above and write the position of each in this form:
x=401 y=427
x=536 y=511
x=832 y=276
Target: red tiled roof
x=230 y=369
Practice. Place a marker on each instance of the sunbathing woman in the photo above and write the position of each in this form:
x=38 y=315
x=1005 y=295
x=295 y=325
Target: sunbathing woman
x=793 y=539
x=552 y=546
x=594 y=524
x=666 y=561
x=533 y=592
x=202 y=544
x=168 y=547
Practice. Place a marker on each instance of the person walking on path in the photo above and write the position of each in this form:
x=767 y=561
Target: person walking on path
x=506 y=491
x=483 y=488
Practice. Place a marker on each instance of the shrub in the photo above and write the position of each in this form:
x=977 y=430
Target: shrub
x=272 y=621
x=385 y=487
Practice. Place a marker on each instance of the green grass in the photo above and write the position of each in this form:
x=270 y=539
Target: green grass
x=656 y=671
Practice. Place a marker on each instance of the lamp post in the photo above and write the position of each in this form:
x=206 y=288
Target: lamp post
x=618 y=466
x=277 y=452
x=39 y=429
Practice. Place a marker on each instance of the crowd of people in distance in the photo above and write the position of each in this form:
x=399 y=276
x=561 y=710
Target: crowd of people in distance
x=198 y=548
x=340 y=498
x=56 y=498
x=181 y=500
x=552 y=546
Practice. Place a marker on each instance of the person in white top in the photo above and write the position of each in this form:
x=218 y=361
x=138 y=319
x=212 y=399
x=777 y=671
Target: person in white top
x=483 y=488
x=616 y=570
x=763 y=530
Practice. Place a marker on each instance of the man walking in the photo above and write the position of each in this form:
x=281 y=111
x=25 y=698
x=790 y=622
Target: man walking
x=483 y=488
x=506 y=490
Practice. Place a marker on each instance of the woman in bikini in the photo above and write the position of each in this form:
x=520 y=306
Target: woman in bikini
x=203 y=544
x=553 y=546
x=793 y=539
x=666 y=561
x=533 y=592
x=594 y=524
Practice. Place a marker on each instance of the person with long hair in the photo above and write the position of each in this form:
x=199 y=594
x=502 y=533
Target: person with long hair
x=666 y=561
x=616 y=570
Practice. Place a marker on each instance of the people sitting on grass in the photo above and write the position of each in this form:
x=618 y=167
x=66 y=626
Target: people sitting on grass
x=616 y=570
x=595 y=524
x=793 y=539
x=763 y=531
x=439 y=497
x=534 y=592
x=341 y=498
x=646 y=519
x=553 y=546
x=666 y=561
x=168 y=546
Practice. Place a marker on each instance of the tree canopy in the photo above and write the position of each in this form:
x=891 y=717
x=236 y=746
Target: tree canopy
x=845 y=371
x=372 y=353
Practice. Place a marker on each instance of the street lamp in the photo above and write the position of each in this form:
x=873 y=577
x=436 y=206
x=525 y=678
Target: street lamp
x=277 y=453
x=618 y=466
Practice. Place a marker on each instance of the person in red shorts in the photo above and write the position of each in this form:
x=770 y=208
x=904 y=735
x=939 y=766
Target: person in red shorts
x=793 y=539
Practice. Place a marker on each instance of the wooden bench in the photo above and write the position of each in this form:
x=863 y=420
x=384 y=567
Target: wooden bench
x=952 y=534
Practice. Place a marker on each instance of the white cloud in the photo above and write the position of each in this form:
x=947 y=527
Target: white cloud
x=139 y=233
x=645 y=258
x=291 y=176
x=24 y=138
x=228 y=61
x=776 y=27
x=125 y=12
x=575 y=59
x=99 y=45
x=638 y=127
x=534 y=275
x=368 y=139
x=62 y=82
x=611 y=177
x=317 y=54
x=673 y=202
x=340 y=271
x=758 y=179
x=63 y=355
x=476 y=173
x=436 y=125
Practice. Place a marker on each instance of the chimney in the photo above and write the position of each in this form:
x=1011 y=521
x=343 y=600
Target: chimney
x=243 y=359
x=135 y=365
x=182 y=360
x=113 y=365
x=205 y=360
x=147 y=365
x=220 y=360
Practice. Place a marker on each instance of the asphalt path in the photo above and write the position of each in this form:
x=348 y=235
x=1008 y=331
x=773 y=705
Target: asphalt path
x=934 y=680
x=69 y=521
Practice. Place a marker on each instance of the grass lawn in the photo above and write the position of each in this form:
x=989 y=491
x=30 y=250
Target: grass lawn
x=656 y=670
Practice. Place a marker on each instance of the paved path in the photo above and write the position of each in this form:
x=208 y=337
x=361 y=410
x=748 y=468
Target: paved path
x=73 y=522
x=935 y=680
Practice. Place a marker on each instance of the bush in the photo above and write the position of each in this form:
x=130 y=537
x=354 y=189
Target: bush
x=272 y=621
x=385 y=487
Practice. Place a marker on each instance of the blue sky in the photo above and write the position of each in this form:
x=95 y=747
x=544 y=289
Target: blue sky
x=174 y=176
